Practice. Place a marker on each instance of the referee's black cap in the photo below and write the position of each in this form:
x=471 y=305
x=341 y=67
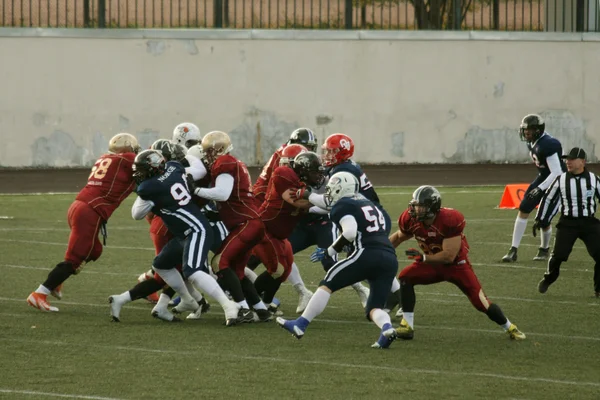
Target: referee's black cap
x=576 y=152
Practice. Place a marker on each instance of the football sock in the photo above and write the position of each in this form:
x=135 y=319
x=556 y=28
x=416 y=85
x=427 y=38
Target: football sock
x=260 y=306
x=407 y=293
x=316 y=305
x=163 y=302
x=125 y=297
x=193 y=291
x=43 y=290
x=243 y=304
x=359 y=287
x=250 y=274
x=58 y=275
x=507 y=325
x=395 y=285
x=545 y=237
x=494 y=312
x=169 y=291
x=209 y=286
x=409 y=317
x=266 y=285
x=519 y=231
x=229 y=281
x=251 y=294
x=380 y=317
x=144 y=288
x=173 y=278
x=295 y=279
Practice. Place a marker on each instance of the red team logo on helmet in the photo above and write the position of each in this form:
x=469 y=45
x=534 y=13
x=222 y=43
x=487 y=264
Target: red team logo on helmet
x=337 y=149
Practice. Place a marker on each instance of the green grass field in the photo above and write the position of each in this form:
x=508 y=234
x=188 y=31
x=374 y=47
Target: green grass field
x=457 y=352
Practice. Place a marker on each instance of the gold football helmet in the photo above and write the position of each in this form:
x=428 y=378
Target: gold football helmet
x=214 y=145
x=123 y=143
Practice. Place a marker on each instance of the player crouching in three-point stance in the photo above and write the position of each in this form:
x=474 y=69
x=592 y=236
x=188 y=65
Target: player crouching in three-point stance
x=109 y=183
x=439 y=232
x=373 y=259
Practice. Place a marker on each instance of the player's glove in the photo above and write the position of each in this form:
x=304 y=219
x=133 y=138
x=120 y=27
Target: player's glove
x=302 y=193
x=537 y=225
x=415 y=254
x=535 y=194
x=191 y=184
x=212 y=215
x=318 y=255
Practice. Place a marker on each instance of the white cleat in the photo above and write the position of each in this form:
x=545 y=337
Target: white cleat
x=164 y=315
x=399 y=313
x=363 y=293
x=305 y=297
x=186 y=306
x=115 y=307
x=57 y=293
x=231 y=309
x=195 y=315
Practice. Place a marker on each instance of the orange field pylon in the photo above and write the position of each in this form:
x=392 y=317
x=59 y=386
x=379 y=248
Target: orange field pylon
x=513 y=194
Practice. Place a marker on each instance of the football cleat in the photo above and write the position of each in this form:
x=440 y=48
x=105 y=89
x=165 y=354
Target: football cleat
x=231 y=313
x=263 y=316
x=543 y=286
x=164 y=315
x=175 y=301
x=296 y=327
x=245 y=316
x=515 y=333
x=387 y=336
x=115 y=307
x=404 y=331
x=511 y=256
x=542 y=254
x=305 y=297
x=186 y=306
x=204 y=305
x=274 y=309
x=57 y=292
x=39 y=301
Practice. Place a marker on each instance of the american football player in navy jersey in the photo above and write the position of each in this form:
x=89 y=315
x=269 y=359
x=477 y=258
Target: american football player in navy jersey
x=373 y=259
x=545 y=151
x=163 y=189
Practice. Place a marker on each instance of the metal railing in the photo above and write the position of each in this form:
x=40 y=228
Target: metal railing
x=508 y=15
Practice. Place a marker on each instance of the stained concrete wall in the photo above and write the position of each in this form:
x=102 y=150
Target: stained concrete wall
x=404 y=97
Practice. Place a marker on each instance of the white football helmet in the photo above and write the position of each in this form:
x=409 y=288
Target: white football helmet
x=186 y=134
x=341 y=184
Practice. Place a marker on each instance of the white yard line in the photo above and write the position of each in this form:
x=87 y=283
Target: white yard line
x=63 y=395
x=108 y=246
x=397 y=370
x=496 y=331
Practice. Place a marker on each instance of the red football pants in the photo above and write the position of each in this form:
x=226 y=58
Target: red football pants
x=237 y=247
x=461 y=275
x=274 y=252
x=84 y=245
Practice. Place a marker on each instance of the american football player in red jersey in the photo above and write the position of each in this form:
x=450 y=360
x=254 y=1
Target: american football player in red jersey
x=109 y=183
x=442 y=258
x=231 y=188
x=280 y=214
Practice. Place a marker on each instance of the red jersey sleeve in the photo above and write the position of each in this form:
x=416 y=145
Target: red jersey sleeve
x=224 y=165
x=404 y=223
x=454 y=223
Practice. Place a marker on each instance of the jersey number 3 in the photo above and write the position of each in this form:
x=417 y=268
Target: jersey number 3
x=375 y=218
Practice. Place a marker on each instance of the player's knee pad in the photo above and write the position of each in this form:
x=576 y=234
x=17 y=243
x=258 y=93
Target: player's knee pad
x=480 y=301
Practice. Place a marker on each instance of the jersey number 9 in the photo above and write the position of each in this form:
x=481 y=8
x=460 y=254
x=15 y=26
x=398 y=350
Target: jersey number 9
x=181 y=194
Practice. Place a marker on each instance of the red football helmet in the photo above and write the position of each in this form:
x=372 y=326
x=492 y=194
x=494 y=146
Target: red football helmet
x=290 y=152
x=337 y=149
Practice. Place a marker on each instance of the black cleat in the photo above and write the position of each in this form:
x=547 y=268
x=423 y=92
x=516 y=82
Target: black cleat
x=543 y=286
x=264 y=315
x=245 y=316
x=542 y=254
x=511 y=256
x=204 y=305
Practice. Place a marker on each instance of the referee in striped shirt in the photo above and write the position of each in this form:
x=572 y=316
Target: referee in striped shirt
x=573 y=193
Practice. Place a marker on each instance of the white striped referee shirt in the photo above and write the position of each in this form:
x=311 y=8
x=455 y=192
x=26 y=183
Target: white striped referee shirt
x=573 y=195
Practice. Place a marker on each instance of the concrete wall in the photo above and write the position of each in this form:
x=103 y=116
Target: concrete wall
x=427 y=97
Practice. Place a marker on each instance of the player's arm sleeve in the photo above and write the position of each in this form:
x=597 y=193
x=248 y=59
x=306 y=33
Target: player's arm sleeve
x=141 y=208
x=318 y=200
x=196 y=168
x=550 y=203
x=317 y=210
x=553 y=162
x=349 y=232
x=220 y=192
